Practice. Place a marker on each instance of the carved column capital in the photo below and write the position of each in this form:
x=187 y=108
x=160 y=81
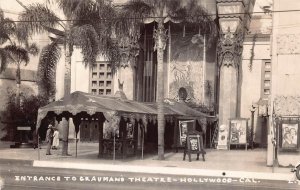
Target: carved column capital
x=129 y=49
x=160 y=36
x=230 y=48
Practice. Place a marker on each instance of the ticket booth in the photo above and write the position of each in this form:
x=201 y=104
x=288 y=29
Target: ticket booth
x=121 y=141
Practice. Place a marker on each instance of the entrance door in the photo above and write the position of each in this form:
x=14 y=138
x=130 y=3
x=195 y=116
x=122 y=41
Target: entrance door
x=89 y=131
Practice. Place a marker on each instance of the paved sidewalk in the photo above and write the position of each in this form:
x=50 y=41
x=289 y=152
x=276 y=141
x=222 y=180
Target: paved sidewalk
x=233 y=163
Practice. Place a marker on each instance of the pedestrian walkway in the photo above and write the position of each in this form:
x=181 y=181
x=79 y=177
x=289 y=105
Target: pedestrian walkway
x=232 y=163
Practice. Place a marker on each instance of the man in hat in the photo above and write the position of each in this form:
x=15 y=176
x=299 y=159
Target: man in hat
x=49 y=136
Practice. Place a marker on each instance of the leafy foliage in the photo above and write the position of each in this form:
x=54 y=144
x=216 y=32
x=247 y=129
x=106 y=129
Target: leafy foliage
x=34 y=19
x=7 y=29
x=18 y=53
x=87 y=39
x=74 y=8
x=26 y=112
x=4 y=59
x=49 y=58
x=131 y=17
x=112 y=53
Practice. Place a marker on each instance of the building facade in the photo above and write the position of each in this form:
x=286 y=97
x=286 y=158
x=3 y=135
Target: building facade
x=260 y=85
x=284 y=113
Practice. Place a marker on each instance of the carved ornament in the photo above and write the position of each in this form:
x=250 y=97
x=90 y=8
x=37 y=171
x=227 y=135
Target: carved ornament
x=129 y=49
x=160 y=36
x=230 y=48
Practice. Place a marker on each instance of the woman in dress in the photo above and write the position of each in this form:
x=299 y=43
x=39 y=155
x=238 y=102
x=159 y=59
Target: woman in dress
x=55 y=143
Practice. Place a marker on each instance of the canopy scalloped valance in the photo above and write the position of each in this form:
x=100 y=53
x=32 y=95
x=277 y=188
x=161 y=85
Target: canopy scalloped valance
x=79 y=105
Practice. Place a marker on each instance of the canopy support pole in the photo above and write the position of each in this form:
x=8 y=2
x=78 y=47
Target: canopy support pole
x=38 y=145
x=76 y=145
x=114 y=156
x=76 y=121
x=100 y=138
x=142 y=141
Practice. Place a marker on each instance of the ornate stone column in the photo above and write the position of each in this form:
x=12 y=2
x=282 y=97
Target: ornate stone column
x=233 y=19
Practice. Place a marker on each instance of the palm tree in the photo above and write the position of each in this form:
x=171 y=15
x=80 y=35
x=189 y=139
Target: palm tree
x=7 y=29
x=19 y=54
x=138 y=10
x=17 y=51
x=84 y=25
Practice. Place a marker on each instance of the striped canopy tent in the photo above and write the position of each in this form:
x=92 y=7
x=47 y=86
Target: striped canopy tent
x=84 y=106
x=81 y=106
x=105 y=107
x=93 y=106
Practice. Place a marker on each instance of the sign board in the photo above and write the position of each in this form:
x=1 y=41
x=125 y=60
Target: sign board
x=194 y=145
x=194 y=142
x=23 y=128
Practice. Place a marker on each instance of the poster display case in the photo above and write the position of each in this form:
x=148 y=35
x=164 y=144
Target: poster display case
x=184 y=127
x=288 y=134
x=239 y=132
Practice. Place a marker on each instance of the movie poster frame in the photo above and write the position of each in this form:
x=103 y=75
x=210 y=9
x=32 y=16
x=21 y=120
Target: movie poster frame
x=181 y=137
x=283 y=122
x=248 y=138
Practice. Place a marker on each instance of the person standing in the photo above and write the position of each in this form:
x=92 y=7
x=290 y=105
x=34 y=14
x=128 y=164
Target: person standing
x=36 y=139
x=55 y=143
x=49 y=138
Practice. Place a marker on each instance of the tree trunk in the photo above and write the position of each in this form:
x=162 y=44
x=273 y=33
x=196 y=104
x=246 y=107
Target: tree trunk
x=18 y=81
x=67 y=91
x=160 y=43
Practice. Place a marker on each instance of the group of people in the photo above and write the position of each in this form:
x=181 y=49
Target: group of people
x=52 y=139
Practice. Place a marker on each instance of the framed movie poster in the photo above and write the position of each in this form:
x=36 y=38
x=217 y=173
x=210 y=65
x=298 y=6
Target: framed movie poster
x=129 y=130
x=184 y=126
x=289 y=135
x=238 y=131
x=194 y=142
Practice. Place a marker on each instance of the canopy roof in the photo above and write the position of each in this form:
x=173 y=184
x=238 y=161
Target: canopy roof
x=172 y=107
x=79 y=102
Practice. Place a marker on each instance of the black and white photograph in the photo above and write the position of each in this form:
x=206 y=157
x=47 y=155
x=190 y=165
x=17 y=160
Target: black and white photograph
x=116 y=94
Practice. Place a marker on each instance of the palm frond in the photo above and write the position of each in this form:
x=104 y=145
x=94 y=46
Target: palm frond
x=137 y=11
x=193 y=14
x=49 y=58
x=99 y=15
x=74 y=8
x=112 y=53
x=7 y=28
x=18 y=53
x=3 y=59
x=34 y=18
x=86 y=38
x=33 y=49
